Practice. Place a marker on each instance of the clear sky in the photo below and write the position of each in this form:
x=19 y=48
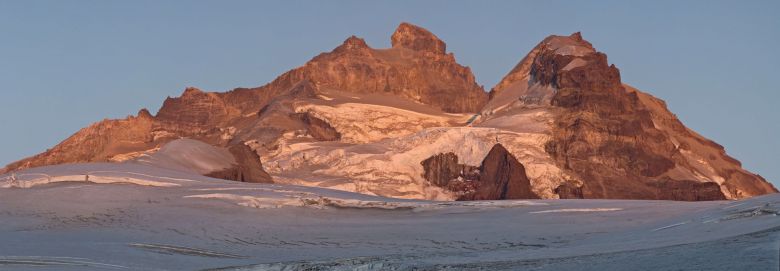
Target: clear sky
x=66 y=64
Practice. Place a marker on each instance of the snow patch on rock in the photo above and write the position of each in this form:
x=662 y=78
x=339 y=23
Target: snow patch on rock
x=392 y=167
x=363 y=123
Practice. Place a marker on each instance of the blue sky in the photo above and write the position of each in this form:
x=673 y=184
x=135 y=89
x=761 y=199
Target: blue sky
x=66 y=64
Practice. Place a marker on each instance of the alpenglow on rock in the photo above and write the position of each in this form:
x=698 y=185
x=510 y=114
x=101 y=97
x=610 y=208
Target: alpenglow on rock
x=617 y=141
x=410 y=122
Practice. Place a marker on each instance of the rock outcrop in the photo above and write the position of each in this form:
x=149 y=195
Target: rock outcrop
x=561 y=124
x=194 y=112
x=622 y=143
x=317 y=128
x=415 y=68
x=499 y=177
x=247 y=168
x=416 y=38
x=443 y=170
x=98 y=142
x=569 y=190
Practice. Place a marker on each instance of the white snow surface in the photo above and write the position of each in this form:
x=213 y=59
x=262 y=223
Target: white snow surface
x=392 y=168
x=202 y=223
x=383 y=145
x=363 y=123
x=189 y=155
x=577 y=210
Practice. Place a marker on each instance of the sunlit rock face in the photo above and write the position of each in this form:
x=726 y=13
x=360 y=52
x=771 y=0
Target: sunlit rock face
x=417 y=38
x=619 y=142
x=415 y=68
x=410 y=122
x=98 y=142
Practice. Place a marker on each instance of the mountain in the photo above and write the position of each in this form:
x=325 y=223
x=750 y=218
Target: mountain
x=410 y=122
x=618 y=141
x=416 y=69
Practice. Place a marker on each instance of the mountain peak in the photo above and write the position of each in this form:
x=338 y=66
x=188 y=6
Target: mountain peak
x=573 y=44
x=191 y=90
x=415 y=69
x=417 y=38
x=353 y=42
x=563 y=112
x=576 y=36
x=144 y=113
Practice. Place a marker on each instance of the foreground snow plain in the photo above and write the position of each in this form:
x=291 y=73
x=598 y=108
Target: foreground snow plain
x=131 y=216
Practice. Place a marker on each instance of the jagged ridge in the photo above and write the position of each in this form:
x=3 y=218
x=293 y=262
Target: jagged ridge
x=563 y=111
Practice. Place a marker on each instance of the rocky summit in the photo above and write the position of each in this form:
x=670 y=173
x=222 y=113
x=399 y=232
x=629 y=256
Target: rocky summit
x=410 y=122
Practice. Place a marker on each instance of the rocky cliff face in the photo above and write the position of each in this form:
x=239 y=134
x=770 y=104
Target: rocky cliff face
x=561 y=124
x=443 y=170
x=247 y=168
x=318 y=128
x=416 y=68
x=622 y=143
x=418 y=39
x=194 y=112
x=97 y=143
x=499 y=177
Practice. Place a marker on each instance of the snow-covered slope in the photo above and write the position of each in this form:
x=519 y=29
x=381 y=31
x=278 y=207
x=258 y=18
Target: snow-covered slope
x=151 y=218
x=364 y=120
x=392 y=167
x=189 y=155
x=384 y=140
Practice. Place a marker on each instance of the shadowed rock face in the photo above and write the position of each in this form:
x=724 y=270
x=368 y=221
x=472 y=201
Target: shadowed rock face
x=620 y=142
x=603 y=120
x=569 y=191
x=443 y=170
x=247 y=168
x=417 y=69
x=606 y=139
x=687 y=190
x=499 y=177
x=317 y=128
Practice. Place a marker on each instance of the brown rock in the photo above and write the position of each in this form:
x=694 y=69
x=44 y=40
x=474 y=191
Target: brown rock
x=318 y=128
x=687 y=190
x=410 y=73
x=97 y=143
x=417 y=69
x=144 y=113
x=417 y=38
x=569 y=190
x=499 y=177
x=354 y=46
x=443 y=170
x=194 y=111
x=247 y=169
x=618 y=140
